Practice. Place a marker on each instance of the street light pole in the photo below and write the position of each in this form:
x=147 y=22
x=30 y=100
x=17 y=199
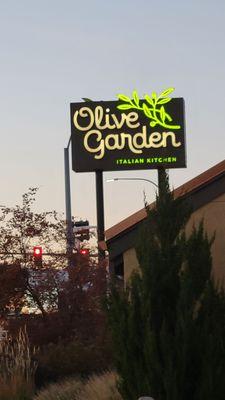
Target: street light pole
x=133 y=179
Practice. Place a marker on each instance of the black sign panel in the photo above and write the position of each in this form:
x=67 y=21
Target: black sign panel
x=138 y=135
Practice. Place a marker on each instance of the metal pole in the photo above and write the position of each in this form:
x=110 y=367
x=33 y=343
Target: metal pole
x=161 y=180
x=100 y=210
x=68 y=203
x=133 y=179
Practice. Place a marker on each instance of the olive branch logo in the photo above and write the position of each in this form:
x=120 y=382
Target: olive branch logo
x=153 y=107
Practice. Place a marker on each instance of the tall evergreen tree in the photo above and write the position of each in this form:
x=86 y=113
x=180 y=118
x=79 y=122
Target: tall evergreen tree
x=168 y=326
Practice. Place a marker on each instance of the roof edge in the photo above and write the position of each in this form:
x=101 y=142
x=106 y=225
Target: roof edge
x=185 y=189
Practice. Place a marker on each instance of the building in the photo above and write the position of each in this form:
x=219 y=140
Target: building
x=206 y=194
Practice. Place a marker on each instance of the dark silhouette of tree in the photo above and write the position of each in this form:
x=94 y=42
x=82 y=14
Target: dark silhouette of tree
x=65 y=300
x=168 y=326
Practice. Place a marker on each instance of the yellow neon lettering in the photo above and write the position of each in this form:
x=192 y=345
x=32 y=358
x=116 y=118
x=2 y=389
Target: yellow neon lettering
x=173 y=139
x=111 y=142
x=115 y=139
x=131 y=119
x=118 y=123
x=100 y=147
x=101 y=119
x=143 y=136
x=155 y=140
x=130 y=144
x=99 y=114
x=84 y=112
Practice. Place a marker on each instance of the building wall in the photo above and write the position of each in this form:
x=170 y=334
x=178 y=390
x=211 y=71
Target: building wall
x=213 y=215
x=130 y=263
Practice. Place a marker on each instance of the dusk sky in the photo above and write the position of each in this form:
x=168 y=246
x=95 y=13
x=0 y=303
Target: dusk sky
x=57 y=52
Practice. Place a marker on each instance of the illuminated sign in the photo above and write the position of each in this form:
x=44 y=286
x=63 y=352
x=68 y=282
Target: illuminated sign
x=130 y=133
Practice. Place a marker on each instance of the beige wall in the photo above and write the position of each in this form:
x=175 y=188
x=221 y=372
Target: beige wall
x=130 y=263
x=214 y=221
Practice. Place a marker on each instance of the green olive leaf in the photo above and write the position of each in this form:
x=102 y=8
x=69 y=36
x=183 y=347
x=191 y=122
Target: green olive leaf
x=166 y=92
x=168 y=117
x=164 y=101
x=147 y=111
x=154 y=96
x=162 y=114
x=124 y=107
x=149 y=100
x=136 y=98
x=152 y=124
x=123 y=98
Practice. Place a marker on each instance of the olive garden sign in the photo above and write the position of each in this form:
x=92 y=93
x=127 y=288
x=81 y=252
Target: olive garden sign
x=130 y=133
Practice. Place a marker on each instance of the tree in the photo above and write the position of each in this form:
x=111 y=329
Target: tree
x=65 y=299
x=21 y=229
x=80 y=300
x=59 y=305
x=168 y=326
x=12 y=287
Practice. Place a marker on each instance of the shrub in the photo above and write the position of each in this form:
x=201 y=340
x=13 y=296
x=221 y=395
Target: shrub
x=73 y=358
x=65 y=390
x=102 y=387
x=16 y=368
x=98 y=387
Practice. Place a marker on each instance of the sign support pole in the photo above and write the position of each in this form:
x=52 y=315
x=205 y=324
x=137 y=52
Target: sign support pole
x=161 y=180
x=68 y=205
x=100 y=210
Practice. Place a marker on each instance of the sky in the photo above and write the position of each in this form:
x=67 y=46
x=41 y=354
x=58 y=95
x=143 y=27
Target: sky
x=56 y=52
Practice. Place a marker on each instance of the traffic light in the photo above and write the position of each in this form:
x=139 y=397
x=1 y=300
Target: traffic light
x=81 y=229
x=37 y=256
x=84 y=252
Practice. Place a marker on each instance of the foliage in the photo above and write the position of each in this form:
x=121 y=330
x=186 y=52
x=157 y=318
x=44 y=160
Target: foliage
x=22 y=228
x=64 y=390
x=73 y=357
x=12 y=287
x=80 y=299
x=71 y=302
x=59 y=305
x=168 y=326
x=24 y=285
x=152 y=107
x=17 y=368
x=77 y=335
x=97 y=387
x=101 y=387
x=73 y=339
